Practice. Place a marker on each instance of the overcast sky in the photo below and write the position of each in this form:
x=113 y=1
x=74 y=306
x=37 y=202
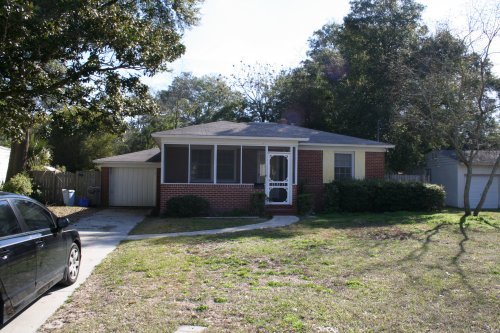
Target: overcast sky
x=274 y=32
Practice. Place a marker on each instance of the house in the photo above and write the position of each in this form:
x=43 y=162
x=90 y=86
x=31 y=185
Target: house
x=225 y=162
x=4 y=162
x=445 y=169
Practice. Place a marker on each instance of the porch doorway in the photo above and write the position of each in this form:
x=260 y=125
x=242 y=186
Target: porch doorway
x=279 y=178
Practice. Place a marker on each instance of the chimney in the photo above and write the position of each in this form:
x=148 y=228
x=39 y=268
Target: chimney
x=283 y=121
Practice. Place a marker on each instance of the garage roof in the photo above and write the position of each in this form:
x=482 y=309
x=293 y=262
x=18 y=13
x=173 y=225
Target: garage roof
x=144 y=156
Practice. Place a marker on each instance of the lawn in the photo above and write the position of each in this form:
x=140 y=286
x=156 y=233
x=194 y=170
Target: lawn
x=158 y=225
x=400 y=272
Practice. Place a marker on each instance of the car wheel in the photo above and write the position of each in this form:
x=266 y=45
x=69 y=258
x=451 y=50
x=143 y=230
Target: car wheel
x=72 y=266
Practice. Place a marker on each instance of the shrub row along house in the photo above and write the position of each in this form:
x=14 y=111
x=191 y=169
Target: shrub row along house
x=225 y=162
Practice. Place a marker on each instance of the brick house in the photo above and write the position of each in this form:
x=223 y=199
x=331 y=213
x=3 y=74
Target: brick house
x=225 y=162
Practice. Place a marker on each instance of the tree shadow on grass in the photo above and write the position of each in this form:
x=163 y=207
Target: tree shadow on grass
x=456 y=259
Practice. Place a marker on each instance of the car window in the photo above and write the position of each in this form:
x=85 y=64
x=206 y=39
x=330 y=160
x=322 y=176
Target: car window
x=34 y=216
x=8 y=221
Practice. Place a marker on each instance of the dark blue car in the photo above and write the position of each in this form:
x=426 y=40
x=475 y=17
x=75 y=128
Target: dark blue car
x=36 y=252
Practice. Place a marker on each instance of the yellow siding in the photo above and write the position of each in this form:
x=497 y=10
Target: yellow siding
x=328 y=162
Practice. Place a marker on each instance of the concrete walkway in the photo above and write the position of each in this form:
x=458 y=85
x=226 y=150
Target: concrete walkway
x=100 y=234
x=275 y=222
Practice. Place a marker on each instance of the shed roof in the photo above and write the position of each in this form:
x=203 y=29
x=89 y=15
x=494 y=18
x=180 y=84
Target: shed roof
x=483 y=157
x=267 y=130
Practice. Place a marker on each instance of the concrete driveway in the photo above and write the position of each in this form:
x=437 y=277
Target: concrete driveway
x=100 y=234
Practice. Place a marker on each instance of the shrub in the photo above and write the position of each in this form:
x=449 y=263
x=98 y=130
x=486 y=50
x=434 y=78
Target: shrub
x=382 y=196
x=258 y=203
x=19 y=184
x=187 y=206
x=304 y=203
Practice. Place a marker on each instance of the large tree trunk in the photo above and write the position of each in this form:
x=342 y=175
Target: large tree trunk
x=487 y=187
x=468 y=179
x=18 y=156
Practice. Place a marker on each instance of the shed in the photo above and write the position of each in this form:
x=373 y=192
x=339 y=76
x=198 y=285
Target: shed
x=445 y=169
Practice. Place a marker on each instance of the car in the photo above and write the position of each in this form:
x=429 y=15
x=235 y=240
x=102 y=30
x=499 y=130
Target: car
x=36 y=252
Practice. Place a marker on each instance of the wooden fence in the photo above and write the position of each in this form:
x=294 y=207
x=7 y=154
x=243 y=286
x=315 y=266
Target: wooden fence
x=408 y=178
x=87 y=184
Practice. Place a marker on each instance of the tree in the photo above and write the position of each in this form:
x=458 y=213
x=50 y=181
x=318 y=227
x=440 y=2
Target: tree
x=455 y=95
x=257 y=85
x=351 y=81
x=192 y=100
x=83 y=53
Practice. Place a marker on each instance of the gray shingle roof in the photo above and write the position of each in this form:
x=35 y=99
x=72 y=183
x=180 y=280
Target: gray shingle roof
x=483 y=157
x=148 y=156
x=266 y=130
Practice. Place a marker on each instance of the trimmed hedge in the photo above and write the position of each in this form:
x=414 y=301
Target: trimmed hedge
x=382 y=196
x=187 y=206
x=304 y=203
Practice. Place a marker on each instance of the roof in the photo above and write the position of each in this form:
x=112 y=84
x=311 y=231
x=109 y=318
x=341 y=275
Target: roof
x=146 y=156
x=267 y=130
x=483 y=157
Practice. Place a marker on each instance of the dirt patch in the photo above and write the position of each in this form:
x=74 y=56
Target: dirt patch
x=74 y=213
x=382 y=234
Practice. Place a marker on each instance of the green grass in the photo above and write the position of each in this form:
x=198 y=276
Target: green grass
x=396 y=272
x=158 y=225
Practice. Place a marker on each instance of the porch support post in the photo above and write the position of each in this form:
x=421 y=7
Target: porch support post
x=215 y=164
x=296 y=155
x=241 y=164
x=189 y=163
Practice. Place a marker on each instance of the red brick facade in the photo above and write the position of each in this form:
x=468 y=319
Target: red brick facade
x=105 y=186
x=374 y=165
x=310 y=174
x=222 y=197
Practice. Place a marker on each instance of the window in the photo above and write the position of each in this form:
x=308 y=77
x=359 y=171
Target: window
x=201 y=165
x=34 y=216
x=226 y=165
x=343 y=166
x=8 y=221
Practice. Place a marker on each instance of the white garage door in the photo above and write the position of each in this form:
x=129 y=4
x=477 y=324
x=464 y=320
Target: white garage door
x=476 y=189
x=132 y=187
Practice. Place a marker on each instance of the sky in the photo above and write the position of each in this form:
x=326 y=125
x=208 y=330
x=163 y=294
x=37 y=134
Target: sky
x=275 y=32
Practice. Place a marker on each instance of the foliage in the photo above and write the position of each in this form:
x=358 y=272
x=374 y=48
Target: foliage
x=258 y=85
x=187 y=206
x=192 y=100
x=258 y=203
x=305 y=203
x=84 y=55
x=19 y=184
x=382 y=196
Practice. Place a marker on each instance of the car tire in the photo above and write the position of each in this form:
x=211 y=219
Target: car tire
x=72 y=266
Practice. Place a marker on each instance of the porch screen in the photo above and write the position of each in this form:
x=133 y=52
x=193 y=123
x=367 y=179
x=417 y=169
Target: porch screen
x=175 y=164
x=201 y=164
x=228 y=164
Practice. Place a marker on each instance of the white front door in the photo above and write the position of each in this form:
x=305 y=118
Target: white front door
x=279 y=178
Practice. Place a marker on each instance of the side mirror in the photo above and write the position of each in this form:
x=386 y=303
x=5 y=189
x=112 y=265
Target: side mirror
x=62 y=222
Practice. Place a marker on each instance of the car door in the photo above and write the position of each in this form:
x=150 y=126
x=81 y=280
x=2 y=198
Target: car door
x=50 y=243
x=17 y=258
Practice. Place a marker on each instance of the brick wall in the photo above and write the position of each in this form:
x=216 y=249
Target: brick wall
x=374 y=165
x=310 y=174
x=104 y=186
x=222 y=197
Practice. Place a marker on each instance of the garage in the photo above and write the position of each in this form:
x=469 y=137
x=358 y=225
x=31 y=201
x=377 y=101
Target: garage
x=132 y=187
x=130 y=180
x=478 y=184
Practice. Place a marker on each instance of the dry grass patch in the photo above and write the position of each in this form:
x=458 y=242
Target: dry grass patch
x=324 y=274
x=159 y=225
